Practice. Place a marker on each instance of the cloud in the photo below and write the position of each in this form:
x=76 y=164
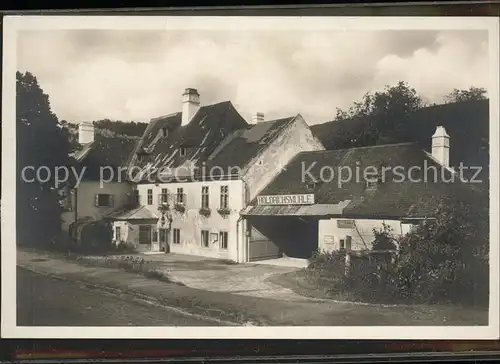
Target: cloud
x=137 y=75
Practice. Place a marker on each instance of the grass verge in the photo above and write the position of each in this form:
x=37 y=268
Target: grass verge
x=127 y=263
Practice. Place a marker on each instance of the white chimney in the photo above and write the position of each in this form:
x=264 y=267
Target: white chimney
x=190 y=104
x=85 y=132
x=441 y=146
x=257 y=117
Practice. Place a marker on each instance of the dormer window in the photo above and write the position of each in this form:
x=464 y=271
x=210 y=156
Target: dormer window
x=183 y=151
x=164 y=132
x=311 y=186
x=371 y=184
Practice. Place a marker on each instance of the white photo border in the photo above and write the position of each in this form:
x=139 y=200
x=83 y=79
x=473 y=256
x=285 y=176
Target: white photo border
x=13 y=24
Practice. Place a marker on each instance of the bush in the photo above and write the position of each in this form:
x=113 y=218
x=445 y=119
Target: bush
x=367 y=279
x=329 y=263
x=384 y=238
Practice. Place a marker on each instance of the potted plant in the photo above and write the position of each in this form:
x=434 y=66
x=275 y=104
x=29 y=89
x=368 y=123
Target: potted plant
x=163 y=207
x=180 y=207
x=224 y=211
x=205 y=211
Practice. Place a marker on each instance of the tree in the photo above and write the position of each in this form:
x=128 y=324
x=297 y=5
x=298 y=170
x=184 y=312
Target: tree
x=384 y=113
x=473 y=93
x=42 y=145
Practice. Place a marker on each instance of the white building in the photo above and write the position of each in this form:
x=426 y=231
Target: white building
x=91 y=200
x=198 y=172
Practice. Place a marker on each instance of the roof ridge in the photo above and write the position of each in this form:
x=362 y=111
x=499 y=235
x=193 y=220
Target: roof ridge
x=360 y=148
x=175 y=113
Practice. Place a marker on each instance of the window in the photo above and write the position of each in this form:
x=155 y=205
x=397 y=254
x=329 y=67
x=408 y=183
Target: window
x=311 y=186
x=118 y=234
x=204 y=197
x=205 y=238
x=224 y=197
x=373 y=182
x=66 y=200
x=103 y=200
x=155 y=235
x=183 y=151
x=150 y=196
x=144 y=234
x=177 y=236
x=223 y=239
x=342 y=244
x=137 y=197
x=180 y=195
x=164 y=195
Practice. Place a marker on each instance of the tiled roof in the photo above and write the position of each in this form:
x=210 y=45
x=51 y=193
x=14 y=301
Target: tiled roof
x=396 y=196
x=209 y=126
x=139 y=213
x=467 y=123
x=104 y=151
x=238 y=149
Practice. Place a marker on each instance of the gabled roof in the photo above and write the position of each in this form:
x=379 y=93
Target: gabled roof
x=395 y=196
x=238 y=149
x=466 y=122
x=206 y=130
x=107 y=151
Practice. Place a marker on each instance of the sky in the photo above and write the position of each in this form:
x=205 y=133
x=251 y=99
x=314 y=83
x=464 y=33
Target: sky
x=136 y=75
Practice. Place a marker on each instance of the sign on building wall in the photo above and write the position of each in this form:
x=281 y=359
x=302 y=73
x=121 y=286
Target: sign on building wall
x=306 y=199
x=345 y=224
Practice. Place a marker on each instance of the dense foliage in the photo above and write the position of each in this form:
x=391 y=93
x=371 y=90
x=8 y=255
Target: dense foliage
x=473 y=93
x=398 y=114
x=385 y=112
x=41 y=143
x=132 y=128
x=439 y=260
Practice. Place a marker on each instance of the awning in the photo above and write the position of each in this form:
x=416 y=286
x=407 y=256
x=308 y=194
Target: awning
x=296 y=210
x=139 y=213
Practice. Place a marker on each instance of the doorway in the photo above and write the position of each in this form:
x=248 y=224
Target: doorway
x=164 y=240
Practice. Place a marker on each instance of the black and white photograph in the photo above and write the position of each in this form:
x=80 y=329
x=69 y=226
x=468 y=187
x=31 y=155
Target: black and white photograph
x=250 y=177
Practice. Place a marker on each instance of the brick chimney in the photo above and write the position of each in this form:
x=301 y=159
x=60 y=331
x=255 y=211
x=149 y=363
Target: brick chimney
x=85 y=132
x=441 y=146
x=257 y=117
x=190 y=104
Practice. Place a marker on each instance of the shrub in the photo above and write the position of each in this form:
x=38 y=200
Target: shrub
x=384 y=238
x=330 y=263
x=438 y=260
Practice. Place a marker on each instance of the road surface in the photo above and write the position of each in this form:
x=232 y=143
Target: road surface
x=45 y=301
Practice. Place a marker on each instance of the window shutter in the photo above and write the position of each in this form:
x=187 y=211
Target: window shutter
x=97 y=200
x=111 y=201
